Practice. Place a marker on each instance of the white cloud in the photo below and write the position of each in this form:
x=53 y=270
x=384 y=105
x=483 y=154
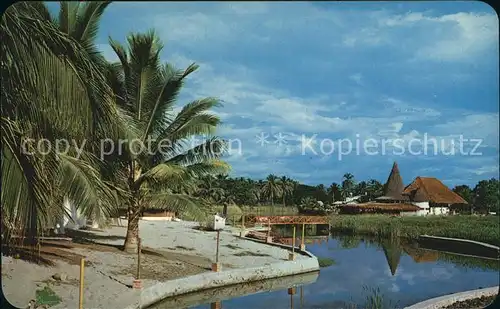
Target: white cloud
x=357 y=78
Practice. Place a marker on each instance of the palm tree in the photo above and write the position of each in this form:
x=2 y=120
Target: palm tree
x=148 y=90
x=51 y=89
x=374 y=189
x=347 y=184
x=271 y=188
x=286 y=188
x=334 y=191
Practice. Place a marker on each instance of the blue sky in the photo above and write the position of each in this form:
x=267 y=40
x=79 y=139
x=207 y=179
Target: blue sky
x=338 y=71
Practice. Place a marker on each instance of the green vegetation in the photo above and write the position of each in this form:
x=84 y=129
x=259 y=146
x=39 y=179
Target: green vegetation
x=325 y=262
x=479 y=228
x=47 y=296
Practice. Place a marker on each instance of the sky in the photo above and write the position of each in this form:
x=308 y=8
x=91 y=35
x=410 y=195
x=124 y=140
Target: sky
x=299 y=80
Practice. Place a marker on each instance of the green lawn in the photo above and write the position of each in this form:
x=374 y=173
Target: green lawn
x=485 y=229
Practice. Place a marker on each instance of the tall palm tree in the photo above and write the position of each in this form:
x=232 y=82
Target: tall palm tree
x=51 y=89
x=347 y=184
x=286 y=188
x=271 y=188
x=334 y=191
x=148 y=90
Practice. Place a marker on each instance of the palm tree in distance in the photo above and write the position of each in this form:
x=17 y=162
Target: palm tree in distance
x=286 y=188
x=271 y=188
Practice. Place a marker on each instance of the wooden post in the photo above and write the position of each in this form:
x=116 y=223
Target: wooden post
x=82 y=265
x=291 y=256
x=269 y=239
x=303 y=245
x=217 y=252
x=242 y=233
x=216 y=265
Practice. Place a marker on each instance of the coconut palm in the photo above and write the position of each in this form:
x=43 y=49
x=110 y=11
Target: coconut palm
x=51 y=89
x=271 y=188
x=148 y=90
x=334 y=191
x=348 y=184
x=286 y=188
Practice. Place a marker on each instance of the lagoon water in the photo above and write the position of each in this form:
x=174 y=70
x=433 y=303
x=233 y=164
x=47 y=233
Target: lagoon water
x=402 y=274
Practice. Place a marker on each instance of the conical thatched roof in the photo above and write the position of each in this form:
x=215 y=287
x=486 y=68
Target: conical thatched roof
x=394 y=186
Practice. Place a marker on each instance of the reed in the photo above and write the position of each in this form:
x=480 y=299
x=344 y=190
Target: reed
x=478 y=228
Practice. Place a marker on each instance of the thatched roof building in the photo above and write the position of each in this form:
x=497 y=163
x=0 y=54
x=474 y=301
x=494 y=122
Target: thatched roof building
x=394 y=187
x=389 y=208
x=429 y=189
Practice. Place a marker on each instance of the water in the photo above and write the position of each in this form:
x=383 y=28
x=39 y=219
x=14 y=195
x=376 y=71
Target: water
x=402 y=273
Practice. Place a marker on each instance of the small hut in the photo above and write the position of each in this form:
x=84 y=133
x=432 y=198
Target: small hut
x=393 y=188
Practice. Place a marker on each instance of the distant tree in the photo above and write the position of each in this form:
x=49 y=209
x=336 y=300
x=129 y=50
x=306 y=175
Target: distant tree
x=271 y=188
x=287 y=187
x=486 y=195
x=374 y=189
x=348 y=184
x=361 y=188
x=335 y=192
x=465 y=192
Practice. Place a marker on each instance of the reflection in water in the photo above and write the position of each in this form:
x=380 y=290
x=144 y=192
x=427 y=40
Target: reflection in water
x=392 y=250
x=415 y=274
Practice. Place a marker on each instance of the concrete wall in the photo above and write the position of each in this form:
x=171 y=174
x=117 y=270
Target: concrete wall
x=443 y=301
x=223 y=293
x=210 y=280
x=460 y=246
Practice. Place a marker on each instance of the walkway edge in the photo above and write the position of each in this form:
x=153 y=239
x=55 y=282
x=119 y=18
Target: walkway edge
x=210 y=280
x=442 y=301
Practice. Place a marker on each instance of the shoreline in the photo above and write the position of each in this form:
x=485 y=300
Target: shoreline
x=175 y=254
x=443 y=301
x=164 y=291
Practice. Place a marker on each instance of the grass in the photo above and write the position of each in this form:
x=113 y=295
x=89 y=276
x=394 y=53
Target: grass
x=484 y=229
x=325 y=262
x=47 y=296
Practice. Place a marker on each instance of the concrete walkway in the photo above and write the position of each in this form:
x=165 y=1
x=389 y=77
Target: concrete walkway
x=443 y=301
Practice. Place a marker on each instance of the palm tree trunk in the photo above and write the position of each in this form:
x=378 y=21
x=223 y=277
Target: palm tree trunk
x=284 y=197
x=272 y=203
x=132 y=237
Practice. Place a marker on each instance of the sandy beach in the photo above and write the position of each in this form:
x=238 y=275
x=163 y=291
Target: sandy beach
x=170 y=250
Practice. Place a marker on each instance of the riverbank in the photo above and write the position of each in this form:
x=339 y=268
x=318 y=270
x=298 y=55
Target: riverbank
x=172 y=250
x=484 y=229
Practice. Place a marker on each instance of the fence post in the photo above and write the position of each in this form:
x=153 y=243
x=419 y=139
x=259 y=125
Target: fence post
x=303 y=245
x=216 y=265
x=82 y=265
x=291 y=255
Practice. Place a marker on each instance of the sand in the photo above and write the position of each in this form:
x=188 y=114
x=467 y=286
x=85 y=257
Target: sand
x=171 y=250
